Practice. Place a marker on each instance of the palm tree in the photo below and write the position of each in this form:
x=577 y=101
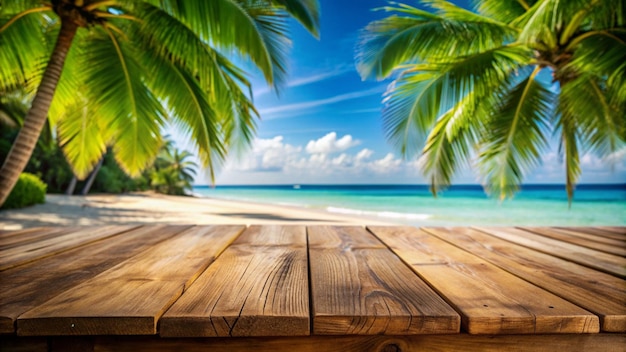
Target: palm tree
x=173 y=173
x=494 y=84
x=120 y=69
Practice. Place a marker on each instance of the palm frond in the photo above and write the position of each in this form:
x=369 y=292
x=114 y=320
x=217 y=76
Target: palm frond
x=81 y=140
x=567 y=127
x=450 y=143
x=415 y=35
x=418 y=96
x=514 y=136
x=550 y=22
x=503 y=11
x=601 y=123
x=603 y=54
x=272 y=26
x=214 y=22
x=131 y=113
x=304 y=11
x=191 y=108
x=23 y=48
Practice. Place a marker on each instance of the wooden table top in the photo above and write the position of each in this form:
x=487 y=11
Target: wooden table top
x=225 y=281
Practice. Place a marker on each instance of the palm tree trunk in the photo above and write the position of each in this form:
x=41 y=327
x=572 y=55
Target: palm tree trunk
x=92 y=177
x=70 y=189
x=36 y=117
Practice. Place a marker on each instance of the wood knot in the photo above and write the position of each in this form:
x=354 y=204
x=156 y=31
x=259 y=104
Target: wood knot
x=392 y=347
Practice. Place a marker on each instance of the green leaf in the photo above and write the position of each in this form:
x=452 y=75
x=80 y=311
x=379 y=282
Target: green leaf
x=422 y=92
x=304 y=11
x=450 y=143
x=515 y=135
x=417 y=35
x=81 y=140
x=131 y=113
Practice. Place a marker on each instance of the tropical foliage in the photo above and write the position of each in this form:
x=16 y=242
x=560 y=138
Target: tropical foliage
x=29 y=190
x=493 y=85
x=172 y=172
x=119 y=70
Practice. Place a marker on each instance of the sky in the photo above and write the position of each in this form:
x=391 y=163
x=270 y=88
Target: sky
x=325 y=125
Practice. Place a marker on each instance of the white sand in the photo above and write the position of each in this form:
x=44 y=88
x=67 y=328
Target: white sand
x=150 y=208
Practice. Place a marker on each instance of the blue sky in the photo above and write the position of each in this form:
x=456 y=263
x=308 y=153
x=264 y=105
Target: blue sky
x=325 y=126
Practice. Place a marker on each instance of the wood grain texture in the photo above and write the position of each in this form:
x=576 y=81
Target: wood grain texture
x=600 y=293
x=29 y=252
x=620 y=230
x=489 y=299
x=581 y=239
x=273 y=235
x=341 y=237
x=595 y=233
x=376 y=343
x=129 y=298
x=369 y=290
x=607 y=263
x=27 y=286
x=37 y=234
x=258 y=287
x=10 y=233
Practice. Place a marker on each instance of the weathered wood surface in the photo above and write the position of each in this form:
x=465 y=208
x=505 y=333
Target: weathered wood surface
x=400 y=289
x=620 y=231
x=489 y=299
x=129 y=298
x=27 y=286
x=257 y=287
x=609 y=246
x=596 y=234
x=600 y=293
x=607 y=263
x=29 y=252
x=359 y=287
x=37 y=234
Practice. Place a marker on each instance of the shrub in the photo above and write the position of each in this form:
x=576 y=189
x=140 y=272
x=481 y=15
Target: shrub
x=28 y=190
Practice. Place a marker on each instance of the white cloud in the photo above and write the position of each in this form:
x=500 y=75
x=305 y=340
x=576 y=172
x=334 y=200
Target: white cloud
x=364 y=154
x=330 y=144
x=387 y=164
x=266 y=155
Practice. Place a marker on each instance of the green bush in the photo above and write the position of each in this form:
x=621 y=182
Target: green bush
x=28 y=190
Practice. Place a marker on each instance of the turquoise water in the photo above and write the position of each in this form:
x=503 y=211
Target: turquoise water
x=544 y=205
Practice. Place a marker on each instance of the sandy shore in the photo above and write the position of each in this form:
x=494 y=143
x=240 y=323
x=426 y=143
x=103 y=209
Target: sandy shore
x=149 y=208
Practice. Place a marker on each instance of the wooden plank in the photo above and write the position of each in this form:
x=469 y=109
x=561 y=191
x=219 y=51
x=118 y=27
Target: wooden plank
x=25 y=287
x=258 y=287
x=489 y=299
x=273 y=235
x=130 y=297
x=33 y=251
x=34 y=236
x=376 y=343
x=617 y=248
x=600 y=293
x=11 y=233
x=359 y=291
x=620 y=230
x=339 y=237
x=592 y=233
x=607 y=263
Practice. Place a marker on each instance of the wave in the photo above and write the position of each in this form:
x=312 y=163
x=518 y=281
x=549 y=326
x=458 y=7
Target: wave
x=382 y=214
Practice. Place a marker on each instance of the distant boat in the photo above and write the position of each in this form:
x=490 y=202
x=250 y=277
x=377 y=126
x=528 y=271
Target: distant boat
x=296 y=186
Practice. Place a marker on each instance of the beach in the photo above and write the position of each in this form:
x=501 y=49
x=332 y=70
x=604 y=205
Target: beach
x=153 y=208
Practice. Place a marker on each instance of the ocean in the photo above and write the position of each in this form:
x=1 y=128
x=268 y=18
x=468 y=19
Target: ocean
x=536 y=205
